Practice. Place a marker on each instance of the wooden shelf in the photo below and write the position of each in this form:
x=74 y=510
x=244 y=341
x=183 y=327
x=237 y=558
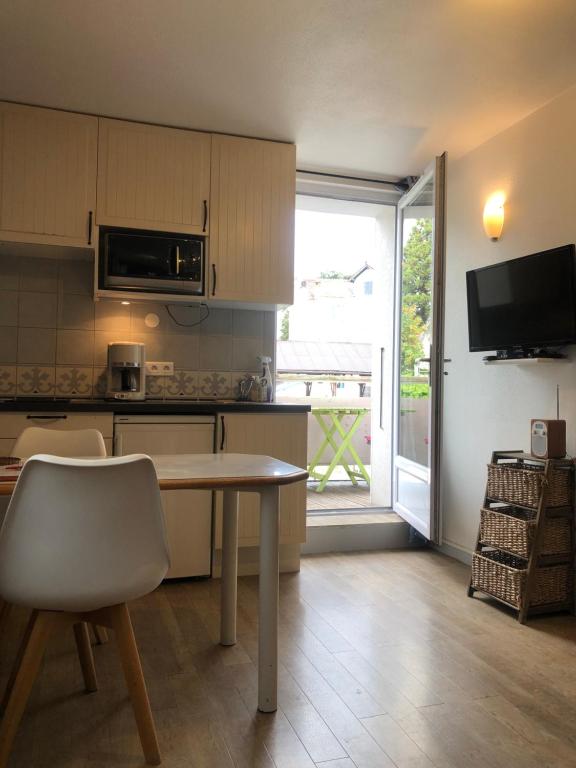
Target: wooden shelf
x=522 y=456
x=549 y=511
x=528 y=361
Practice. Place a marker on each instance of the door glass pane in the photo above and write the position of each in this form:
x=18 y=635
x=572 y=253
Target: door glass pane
x=416 y=327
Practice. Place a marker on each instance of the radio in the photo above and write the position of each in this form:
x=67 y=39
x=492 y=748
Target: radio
x=548 y=438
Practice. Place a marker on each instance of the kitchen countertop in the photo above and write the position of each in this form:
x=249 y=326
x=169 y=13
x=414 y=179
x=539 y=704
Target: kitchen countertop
x=174 y=407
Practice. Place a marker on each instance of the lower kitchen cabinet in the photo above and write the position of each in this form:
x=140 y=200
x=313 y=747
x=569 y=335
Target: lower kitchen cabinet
x=187 y=513
x=282 y=436
x=12 y=424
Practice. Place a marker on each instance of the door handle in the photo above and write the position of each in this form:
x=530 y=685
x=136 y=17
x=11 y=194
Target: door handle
x=222 y=432
x=213 y=279
x=428 y=360
x=51 y=417
x=205 y=222
x=90 y=216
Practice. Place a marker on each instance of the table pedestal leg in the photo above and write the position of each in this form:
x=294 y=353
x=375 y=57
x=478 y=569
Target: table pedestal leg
x=229 y=568
x=268 y=601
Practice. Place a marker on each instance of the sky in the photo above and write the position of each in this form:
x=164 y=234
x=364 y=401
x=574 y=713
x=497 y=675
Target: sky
x=328 y=242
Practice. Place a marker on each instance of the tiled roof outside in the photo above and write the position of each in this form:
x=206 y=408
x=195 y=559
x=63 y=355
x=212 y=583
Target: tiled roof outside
x=323 y=357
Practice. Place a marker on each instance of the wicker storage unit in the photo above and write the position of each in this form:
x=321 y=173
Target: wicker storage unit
x=513 y=529
x=522 y=484
x=504 y=576
x=525 y=549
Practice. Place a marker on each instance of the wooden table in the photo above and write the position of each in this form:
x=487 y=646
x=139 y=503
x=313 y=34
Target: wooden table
x=234 y=473
x=331 y=423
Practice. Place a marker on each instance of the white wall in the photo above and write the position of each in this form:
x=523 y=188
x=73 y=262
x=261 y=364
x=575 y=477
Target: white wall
x=490 y=407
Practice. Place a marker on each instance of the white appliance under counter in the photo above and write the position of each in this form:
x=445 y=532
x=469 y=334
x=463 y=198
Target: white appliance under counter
x=188 y=514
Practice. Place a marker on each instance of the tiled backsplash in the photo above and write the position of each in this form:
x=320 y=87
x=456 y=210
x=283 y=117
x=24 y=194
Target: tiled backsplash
x=54 y=337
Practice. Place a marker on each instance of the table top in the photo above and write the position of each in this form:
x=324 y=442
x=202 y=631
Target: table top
x=210 y=471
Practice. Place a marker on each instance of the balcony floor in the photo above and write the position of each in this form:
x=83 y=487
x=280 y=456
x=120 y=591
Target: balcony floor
x=338 y=495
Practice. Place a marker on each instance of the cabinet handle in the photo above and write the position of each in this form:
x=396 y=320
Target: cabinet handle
x=222 y=432
x=205 y=203
x=51 y=417
x=90 y=215
x=213 y=279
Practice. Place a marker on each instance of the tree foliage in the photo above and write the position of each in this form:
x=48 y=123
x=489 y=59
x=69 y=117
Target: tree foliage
x=334 y=276
x=285 y=326
x=416 y=291
x=412 y=332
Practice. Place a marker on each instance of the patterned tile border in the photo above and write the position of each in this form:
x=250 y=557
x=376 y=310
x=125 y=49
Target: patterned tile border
x=84 y=382
x=35 y=380
x=155 y=386
x=214 y=384
x=7 y=380
x=73 y=382
x=99 y=382
x=183 y=384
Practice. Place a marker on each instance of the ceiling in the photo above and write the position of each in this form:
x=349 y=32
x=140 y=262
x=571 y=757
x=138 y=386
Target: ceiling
x=371 y=87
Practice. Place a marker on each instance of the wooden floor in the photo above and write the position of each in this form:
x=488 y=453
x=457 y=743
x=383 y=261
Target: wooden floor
x=338 y=495
x=385 y=663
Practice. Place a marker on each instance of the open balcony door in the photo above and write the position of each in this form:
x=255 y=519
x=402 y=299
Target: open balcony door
x=418 y=347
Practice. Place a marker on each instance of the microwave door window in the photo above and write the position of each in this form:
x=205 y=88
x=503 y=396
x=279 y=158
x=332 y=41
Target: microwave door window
x=131 y=256
x=189 y=261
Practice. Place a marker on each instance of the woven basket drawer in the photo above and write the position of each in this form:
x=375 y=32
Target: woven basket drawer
x=522 y=484
x=504 y=576
x=514 y=529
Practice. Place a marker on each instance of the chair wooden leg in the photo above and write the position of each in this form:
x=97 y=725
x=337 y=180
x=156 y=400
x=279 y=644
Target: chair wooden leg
x=37 y=634
x=85 y=655
x=17 y=662
x=100 y=634
x=120 y=622
x=5 y=609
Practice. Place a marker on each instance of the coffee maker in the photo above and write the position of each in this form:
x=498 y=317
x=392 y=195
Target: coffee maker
x=126 y=371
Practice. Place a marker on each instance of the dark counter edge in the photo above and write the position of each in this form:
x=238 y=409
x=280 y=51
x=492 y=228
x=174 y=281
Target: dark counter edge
x=150 y=407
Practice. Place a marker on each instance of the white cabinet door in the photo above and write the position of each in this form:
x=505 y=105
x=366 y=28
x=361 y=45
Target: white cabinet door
x=282 y=436
x=151 y=177
x=252 y=220
x=13 y=423
x=187 y=514
x=47 y=175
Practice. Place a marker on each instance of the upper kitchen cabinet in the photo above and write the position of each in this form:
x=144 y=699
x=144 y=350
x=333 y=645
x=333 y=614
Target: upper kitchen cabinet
x=47 y=175
x=252 y=220
x=151 y=177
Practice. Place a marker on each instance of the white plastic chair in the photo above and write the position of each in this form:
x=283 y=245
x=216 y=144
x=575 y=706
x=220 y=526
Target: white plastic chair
x=56 y=442
x=81 y=538
x=80 y=443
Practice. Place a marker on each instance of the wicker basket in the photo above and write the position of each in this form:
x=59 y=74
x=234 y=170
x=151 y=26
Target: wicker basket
x=504 y=576
x=513 y=529
x=522 y=484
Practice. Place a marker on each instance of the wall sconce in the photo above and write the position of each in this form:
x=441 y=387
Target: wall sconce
x=494 y=216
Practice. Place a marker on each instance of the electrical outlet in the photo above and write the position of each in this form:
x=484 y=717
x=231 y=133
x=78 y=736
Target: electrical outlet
x=159 y=368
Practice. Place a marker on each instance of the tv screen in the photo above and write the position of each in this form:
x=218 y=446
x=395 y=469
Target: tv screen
x=528 y=302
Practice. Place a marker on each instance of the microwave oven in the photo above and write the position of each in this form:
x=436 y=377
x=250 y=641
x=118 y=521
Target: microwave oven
x=152 y=262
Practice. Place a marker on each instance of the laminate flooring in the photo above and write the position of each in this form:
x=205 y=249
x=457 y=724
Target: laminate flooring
x=384 y=663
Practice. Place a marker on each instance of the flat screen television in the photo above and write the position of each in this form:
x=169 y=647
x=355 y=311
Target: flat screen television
x=524 y=304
